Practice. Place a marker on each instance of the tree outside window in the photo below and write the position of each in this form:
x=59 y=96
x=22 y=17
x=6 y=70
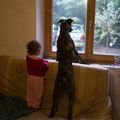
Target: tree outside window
x=107 y=27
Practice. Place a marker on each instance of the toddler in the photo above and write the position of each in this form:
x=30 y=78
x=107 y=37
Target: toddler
x=36 y=68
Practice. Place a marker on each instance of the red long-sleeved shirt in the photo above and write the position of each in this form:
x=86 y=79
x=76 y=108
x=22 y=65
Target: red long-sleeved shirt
x=36 y=67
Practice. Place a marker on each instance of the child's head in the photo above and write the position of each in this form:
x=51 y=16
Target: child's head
x=33 y=47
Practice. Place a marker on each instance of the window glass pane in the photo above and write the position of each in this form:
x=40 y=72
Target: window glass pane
x=107 y=27
x=76 y=10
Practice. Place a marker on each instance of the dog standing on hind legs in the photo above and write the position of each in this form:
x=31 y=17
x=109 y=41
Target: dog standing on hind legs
x=64 y=82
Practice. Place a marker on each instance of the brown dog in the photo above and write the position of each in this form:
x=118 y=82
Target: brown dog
x=64 y=82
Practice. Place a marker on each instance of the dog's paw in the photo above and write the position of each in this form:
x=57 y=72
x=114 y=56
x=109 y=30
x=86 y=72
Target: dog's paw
x=69 y=118
x=51 y=115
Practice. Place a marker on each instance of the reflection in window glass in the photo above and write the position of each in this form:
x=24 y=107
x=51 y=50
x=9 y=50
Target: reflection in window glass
x=107 y=27
x=76 y=10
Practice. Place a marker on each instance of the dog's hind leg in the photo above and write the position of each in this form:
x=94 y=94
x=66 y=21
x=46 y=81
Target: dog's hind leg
x=55 y=99
x=53 y=109
x=70 y=105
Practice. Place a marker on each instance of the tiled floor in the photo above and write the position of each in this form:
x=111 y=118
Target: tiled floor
x=39 y=116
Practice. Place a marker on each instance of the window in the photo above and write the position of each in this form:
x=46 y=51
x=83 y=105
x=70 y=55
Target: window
x=96 y=32
x=107 y=31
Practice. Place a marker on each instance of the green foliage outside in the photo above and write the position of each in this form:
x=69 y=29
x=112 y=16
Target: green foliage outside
x=69 y=9
x=107 y=23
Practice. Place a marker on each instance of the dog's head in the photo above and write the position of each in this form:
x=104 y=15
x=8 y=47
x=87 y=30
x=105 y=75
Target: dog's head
x=65 y=25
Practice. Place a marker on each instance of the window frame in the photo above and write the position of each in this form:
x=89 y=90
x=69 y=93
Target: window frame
x=96 y=58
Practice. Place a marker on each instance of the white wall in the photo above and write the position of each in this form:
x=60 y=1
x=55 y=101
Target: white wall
x=40 y=23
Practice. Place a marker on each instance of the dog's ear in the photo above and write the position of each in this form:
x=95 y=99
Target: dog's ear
x=60 y=21
x=69 y=21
